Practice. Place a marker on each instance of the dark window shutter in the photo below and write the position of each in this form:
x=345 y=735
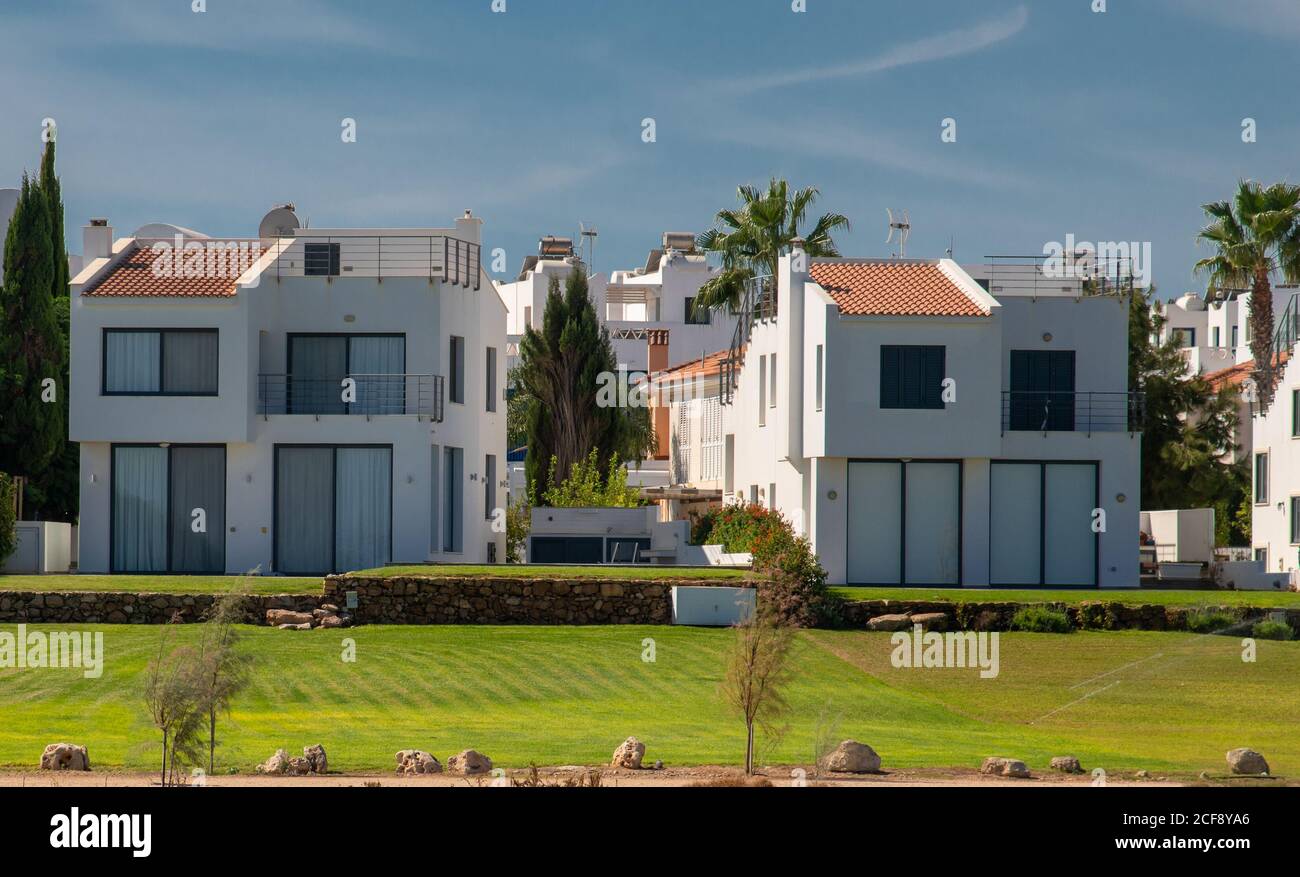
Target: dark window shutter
x=890 y=377
x=934 y=368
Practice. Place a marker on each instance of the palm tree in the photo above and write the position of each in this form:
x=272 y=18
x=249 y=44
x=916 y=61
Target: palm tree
x=752 y=239
x=1255 y=236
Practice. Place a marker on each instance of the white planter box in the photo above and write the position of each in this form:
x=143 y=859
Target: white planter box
x=712 y=607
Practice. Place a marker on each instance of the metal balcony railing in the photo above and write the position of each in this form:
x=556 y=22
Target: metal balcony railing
x=1035 y=411
x=433 y=257
x=758 y=303
x=370 y=395
x=1074 y=274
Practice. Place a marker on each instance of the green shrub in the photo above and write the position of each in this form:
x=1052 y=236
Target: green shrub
x=519 y=521
x=1041 y=619
x=1209 y=621
x=1279 y=630
x=8 y=537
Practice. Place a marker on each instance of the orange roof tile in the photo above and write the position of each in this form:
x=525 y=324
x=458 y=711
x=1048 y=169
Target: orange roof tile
x=710 y=364
x=892 y=287
x=1233 y=375
x=135 y=275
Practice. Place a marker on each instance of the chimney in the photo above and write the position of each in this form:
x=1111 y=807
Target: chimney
x=791 y=278
x=470 y=228
x=96 y=240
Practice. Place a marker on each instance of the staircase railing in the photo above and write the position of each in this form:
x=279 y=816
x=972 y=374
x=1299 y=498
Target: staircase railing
x=758 y=302
x=1286 y=333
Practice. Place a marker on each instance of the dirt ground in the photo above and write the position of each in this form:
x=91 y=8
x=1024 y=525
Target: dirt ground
x=613 y=778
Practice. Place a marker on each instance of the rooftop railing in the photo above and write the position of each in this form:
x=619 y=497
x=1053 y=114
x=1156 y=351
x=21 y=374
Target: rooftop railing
x=1068 y=275
x=419 y=396
x=433 y=257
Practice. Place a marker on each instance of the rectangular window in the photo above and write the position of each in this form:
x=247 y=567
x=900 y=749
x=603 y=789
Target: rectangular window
x=771 y=382
x=1261 y=478
x=753 y=494
x=771 y=496
x=1261 y=555
x=320 y=260
x=453 y=491
x=820 y=376
x=911 y=376
x=1185 y=336
x=160 y=362
x=333 y=508
x=168 y=508
x=1215 y=335
x=762 y=391
x=456 y=367
x=489 y=486
x=1234 y=336
x=318 y=365
x=491 y=372
x=528 y=317
x=1295 y=520
x=1295 y=413
x=694 y=317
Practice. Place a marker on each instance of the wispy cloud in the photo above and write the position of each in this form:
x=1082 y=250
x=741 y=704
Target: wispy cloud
x=1275 y=18
x=951 y=44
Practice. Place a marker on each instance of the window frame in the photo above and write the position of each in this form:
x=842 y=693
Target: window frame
x=926 y=404
x=490 y=378
x=162 y=361
x=333 y=266
x=456 y=369
x=1255 y=496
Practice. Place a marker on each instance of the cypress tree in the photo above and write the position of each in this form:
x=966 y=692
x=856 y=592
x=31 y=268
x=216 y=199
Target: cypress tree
x=32 y=429
x=54 y=495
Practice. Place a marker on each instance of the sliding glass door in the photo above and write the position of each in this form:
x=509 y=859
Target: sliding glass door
x=319 y=363
x=169 y=509
x=904 y=522
x=333 y=508
x=1040 y=524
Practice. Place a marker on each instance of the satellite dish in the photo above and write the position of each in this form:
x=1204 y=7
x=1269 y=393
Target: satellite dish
x=281 y=222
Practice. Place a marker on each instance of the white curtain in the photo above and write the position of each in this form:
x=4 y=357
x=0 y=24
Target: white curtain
x=190 y=362
x=140 y=509
x=198 y=482
x=304 y=508
x=1015 y=524
x=363 y=508
x=378 y=355
x=131 y=362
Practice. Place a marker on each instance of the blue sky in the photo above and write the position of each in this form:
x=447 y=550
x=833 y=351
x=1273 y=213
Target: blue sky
x=1114 y=126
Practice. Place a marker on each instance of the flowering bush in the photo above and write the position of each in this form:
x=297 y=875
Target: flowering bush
x=790 y=581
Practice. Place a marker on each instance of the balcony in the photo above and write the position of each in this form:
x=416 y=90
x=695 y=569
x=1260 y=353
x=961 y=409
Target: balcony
x=417 y=396
x=1046 y=411
x=433 y=257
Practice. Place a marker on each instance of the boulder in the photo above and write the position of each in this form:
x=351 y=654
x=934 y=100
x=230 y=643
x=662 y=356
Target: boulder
x=315 y=756
x=889 y=622
x=628 y=754
x=1067 y=764
x=1005 y=767
x=281 y=617
x=65 y=756
x=306 y=625
x=417 y=761
x=931 y=620
x=299 y=767
x=470 y=763
x=852 y=757
x=1247 y=761
x=332 y=621
x=276 y=764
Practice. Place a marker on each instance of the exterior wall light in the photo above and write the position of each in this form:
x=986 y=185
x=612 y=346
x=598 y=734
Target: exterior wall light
x=1120 y=497
x=1047 y=336
x=832 y=495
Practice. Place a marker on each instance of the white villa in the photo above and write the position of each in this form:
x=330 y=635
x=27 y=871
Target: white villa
x=657 y=296
x=301 y=402
x=921 y=431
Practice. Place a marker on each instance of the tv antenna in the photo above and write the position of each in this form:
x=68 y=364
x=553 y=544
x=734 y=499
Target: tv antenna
x=904 y=228
x=589 y=236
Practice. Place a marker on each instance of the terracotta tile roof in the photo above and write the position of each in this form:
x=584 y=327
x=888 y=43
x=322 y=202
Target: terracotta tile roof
x=891 y=287
x=1233 y=375
x=134 y=275
x=708 y=365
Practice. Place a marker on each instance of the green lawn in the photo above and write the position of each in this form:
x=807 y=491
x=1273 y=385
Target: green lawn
x=1271 y=599
x=163 y=584
x=514 y=570
x=557 y=695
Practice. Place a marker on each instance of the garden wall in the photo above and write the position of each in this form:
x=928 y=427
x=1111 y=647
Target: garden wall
x=1089 y=615
x=107 y=607
x=406 y=600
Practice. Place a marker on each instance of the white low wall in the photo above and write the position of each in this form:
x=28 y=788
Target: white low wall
x=43 y=547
